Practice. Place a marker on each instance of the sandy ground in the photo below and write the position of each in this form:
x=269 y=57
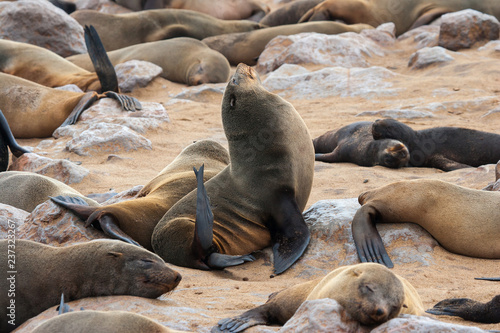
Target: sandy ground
x=470 y=77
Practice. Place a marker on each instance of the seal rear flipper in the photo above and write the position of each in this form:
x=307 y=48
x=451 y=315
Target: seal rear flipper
x=366 y=237
x=253 y=317
x=488 y=278
x=289 y=233
x=102 y=65
x=76 y=205
x=221 y=261
x=109 y=226
x=204 y=224
x=85 y=102
x=128 y=103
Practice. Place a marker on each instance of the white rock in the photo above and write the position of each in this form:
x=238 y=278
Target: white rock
x=136 y=73
x=429 y=56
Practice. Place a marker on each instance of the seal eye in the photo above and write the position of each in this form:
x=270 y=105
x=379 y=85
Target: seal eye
x=146 y=263
x=232 y=100
x=233 y=81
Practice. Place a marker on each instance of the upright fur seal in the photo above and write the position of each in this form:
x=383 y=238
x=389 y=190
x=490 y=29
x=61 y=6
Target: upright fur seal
x=221 y=9
x=7 y=141
x=406 y=15
x=40 y=273
x=26 y=190
x=121 y=30
x=246 y=47
x=462 y=220
x=468 y=309
x=133 y=221
x=184 y=60
x=257 y=201
x=445 y=148
x=370 y=293
x=354 y=143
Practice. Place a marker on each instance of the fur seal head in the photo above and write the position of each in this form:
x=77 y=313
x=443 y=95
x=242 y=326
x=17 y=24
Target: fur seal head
x=211 y=69
x=393 y=154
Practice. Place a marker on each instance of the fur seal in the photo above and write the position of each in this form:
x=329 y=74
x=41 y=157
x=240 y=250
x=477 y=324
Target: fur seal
x=121 y=30
x=406 y=15
x=26 y=190
x=370 y=293
x=445 y=148
x=7 y=141
x=450 y=213
x=289 y=13
x=256 y=201
x=133 y=221
x=96 y=268
x=184 y=60
x=221 y=9
x=468 y=309
x=354 y=143
x=246 y=47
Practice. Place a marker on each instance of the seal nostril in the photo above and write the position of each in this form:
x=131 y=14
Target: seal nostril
x=178 y=278
x=379 y=312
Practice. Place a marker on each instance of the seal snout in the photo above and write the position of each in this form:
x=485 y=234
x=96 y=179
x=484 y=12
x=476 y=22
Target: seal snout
x=380 y=315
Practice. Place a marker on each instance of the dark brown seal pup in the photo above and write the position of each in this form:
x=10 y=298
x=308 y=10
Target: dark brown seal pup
x=133 y=221
x=221 y=9
x=7 y=141
x=370 y=293
x=406 y=15
x=118 y=31
x=354 y=143
x=40 y=273
x=468 y=309
x=246 y=47
x=445 y=148
x=257 y=201
x=289 y=13
x=462 y=220
x=184 y=60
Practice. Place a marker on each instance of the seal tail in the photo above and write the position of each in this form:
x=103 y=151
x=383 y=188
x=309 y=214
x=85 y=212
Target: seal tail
x=7 y=140
x=102 y=65
x=76 y=205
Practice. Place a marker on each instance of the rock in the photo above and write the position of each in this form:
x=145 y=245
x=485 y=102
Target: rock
x=136 y=73
x=11 y=218
x=107 y=138
x=41 y=23
x=53 y=225
x=421 y=324
x=384 y=34
x=70 y=87
x=322 y=315
x=62 y=170
x=428 y=56
x=125 y=195
x=344 y=50
x=205 y=93
x=424 y=36
x=495 y=186
x=296 y=82
x=466 y=28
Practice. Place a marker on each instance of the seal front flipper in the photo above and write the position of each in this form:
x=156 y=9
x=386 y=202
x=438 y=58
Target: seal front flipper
x=128 y=103
x=109 y=226
x=289 y=232
x=253 y=317
x=7 y=140
x=85 y=102
x=469 y=309
x=76 y=205
x=488 y=278
x=366 y=237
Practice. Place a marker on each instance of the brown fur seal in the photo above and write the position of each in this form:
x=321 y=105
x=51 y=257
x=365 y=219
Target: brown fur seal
x=468 y=309
x=445 y=148
x=246 y=47
x=183 y=60
x=121 y=30
x=370 y=293
x=462 y=220
x=7 y=141
x=40 y=273
x=289 y=13
x=256 y=201
x=26 y=190
x=221 y=9
x=101 y=322
x=354 y=143
x=406 y=15
x=133 y=221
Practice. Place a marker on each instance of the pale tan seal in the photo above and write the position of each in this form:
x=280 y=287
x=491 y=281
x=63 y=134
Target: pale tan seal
x=246 y=47
x=121 y=30
x=221 y=9
x=464 y=221
x=370 y=293
x=133 y=221
x=184 y=60
x=95 y=268
x=256 y=201
x=406 y=15
x=26 y=190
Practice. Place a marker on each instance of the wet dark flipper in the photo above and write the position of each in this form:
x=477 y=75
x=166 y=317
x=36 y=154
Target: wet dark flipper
x=488 y=278
x=203 y=230
x=128 y=103
x=85 y=102
x=109 y=226
x=289 y=232
x=8 y=138
x=102 y=65
x=221 y=261
x=469 y=309
x=366 y=237
x=76 y=205
x=253 y=317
